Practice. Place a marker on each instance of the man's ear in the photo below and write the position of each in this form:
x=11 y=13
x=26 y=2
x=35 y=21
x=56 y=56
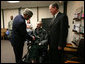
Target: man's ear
x=25 y=15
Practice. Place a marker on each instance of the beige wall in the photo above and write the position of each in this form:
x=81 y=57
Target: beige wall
x=7 y=14
x=42 y=13
x=1 y=20
x=71 y=8
x=61 y=8
x=45 y=13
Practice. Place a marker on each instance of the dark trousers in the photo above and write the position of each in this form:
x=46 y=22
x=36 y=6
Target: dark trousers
x=18 y=51
x=56 y=56
x=36 y=51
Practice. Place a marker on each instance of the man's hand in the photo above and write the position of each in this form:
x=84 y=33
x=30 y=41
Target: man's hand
x=39 y=43
x=33 y=37
x=59 y=48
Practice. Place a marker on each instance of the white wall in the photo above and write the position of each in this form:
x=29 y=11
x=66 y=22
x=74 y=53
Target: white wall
x=61 y=8
x=7 y=14
x=44 y=13
x=34 y=18
x=71 y=8
x=1 y=20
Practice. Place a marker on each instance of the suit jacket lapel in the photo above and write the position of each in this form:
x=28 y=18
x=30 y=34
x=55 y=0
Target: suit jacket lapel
x=53 y=20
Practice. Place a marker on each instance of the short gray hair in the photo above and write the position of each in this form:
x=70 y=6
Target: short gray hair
x=55 y=5
x=28 y=12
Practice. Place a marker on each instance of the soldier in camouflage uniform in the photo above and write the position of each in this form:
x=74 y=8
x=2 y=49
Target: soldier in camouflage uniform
x=10 y=26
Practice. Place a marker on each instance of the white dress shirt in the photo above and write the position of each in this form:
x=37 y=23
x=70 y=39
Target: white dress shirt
x=56 y=14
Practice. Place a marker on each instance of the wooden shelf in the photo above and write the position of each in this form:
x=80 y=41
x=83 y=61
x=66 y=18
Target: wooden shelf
x=77 y=32
x=70 y=49
x=74 y=43
x=68 y=61
x=77 y=19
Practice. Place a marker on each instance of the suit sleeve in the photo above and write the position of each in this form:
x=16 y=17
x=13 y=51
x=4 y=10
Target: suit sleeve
x=63 y=31
x=23 y=32
x=45 y=40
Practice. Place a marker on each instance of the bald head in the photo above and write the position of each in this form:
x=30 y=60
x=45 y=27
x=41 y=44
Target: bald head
x=39 y=24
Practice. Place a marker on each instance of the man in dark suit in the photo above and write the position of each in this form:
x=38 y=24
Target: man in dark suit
x=19 y=34
x=57 y=34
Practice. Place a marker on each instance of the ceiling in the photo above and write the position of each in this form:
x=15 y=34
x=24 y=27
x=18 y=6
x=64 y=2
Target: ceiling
x=24 y=4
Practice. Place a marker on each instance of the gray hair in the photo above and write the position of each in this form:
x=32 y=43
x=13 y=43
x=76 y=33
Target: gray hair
x=55 y=5
x=28 y=12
